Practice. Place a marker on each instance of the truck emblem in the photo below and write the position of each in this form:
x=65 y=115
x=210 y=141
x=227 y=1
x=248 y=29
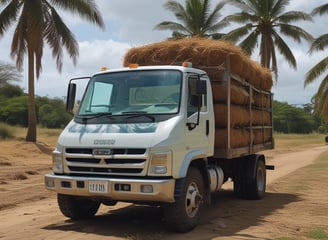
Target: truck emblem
x=103 y=152
x=104 y=141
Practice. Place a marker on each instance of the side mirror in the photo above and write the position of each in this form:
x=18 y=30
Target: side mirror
x=197 y=87
x=71 y=94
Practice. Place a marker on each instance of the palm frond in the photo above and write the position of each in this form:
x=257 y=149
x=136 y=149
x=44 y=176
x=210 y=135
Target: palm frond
x=293 y=16
x=9 y=15
x=86 y=9
x=323 y=9
x=173 y=26
x=319 y=44
x=295 y=32
x=316 y=71
x=279 y=6
x=238 y=33
x=284 y=50
x=250 y=42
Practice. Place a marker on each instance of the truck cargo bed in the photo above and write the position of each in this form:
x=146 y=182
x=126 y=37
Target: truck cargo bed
x=243 y=114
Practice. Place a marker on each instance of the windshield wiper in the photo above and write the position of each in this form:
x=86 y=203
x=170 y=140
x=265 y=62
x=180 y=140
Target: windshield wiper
x=133 y=114
x=96 y=115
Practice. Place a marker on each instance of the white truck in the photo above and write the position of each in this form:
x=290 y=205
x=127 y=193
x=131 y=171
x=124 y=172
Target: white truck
x=150 y=135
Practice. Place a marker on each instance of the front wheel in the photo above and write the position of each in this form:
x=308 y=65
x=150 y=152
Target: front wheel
x=77 y=207
x=184 y=214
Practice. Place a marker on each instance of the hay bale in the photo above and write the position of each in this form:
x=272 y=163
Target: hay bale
x=262 y=100
x=262 y=135
x=239 y=116
x=261 y=118
x=238 y=95
x=238 y=138
x=202 y=52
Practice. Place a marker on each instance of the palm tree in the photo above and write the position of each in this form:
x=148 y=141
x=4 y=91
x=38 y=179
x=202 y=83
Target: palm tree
x=38 y=23
x=194 y=19
x=265 y=21
x=319 y=44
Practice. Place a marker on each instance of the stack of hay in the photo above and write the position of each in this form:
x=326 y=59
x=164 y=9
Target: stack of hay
x=204 y=53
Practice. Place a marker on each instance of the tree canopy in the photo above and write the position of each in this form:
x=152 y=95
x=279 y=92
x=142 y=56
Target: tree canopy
x=320 y=69
x=38 y=23
x=265 y=22
x=195 y=18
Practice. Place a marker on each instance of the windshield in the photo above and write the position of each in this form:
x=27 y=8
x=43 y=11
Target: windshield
x=133 y=92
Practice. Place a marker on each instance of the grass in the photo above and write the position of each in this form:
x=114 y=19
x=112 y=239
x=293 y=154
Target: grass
x=6 y=131
x=303 y=184
x=318 y=233
x=44 y=135
x=285 y=141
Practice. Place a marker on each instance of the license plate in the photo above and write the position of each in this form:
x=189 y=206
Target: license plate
x=98 y=186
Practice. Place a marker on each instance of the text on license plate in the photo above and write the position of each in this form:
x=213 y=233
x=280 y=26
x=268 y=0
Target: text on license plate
x=98 y=186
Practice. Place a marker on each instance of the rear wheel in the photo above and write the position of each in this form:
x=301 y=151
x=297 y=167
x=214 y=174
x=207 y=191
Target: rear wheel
x=256 y=188
x=250 y=179
x=77 y=207
x=184 y=214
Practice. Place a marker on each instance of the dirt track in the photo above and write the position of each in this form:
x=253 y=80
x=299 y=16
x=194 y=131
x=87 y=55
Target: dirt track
x=29 y=212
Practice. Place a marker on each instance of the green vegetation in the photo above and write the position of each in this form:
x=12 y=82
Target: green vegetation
x=320 y=69
x=286 y=141
x=6 y=131
x=290 y=119
x=264 y=24
x=318 y=234
x=195 y=19
x=37 y=23
x=51 y=113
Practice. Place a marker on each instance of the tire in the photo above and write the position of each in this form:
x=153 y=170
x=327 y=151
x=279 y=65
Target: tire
x=255 y=189
x=184 y=215
x=76 y=207
x=239 y=187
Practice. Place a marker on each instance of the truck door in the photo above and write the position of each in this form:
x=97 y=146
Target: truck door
x=198 y=122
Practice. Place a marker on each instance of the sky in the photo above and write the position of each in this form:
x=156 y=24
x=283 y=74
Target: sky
x=131 y=23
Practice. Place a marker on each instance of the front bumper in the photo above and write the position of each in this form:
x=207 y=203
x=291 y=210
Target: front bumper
x=129 y=190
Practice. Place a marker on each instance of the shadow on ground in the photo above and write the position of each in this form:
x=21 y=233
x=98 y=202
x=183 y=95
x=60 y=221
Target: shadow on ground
x=226 y=216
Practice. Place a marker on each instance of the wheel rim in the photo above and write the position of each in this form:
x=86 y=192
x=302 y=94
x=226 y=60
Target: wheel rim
x=260 y=180
x=193 y=200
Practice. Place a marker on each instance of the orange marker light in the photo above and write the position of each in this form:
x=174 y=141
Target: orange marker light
x=103 y=69
x=186 y=64
x=133 y=65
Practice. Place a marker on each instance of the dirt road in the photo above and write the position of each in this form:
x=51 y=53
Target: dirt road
x=30 y=212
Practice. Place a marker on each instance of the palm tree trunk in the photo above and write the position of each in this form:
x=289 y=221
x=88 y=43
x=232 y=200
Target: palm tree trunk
x=31 y=130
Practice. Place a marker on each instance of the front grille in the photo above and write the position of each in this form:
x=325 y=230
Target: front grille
x=122 y=161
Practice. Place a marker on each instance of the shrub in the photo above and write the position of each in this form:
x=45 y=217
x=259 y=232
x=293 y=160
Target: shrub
x=5 y=131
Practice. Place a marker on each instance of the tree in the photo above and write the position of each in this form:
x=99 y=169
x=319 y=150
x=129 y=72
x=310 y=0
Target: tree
x=38 y=23
x=8 y=73
x=319 y=44
x=291 y=119
x=194 y=19
x=264 y=21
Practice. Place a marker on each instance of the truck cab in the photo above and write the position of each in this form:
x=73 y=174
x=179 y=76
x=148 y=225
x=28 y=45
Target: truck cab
x=140 y=134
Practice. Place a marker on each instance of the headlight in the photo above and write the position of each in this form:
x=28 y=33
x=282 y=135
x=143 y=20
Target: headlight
x=160 y=164
x=57 y=162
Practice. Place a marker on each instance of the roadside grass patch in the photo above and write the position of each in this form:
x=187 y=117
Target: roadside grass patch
x=285 y=141
x=319 y=234
x=6 y=131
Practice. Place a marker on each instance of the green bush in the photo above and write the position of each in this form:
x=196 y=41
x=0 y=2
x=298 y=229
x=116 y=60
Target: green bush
x=5 y=131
